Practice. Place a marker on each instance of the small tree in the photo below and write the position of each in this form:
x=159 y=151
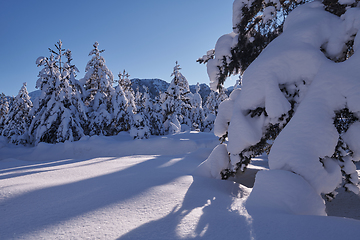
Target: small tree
x=4 y=109
x=197 y=112
x=152 y=109
x=120 y=104
x=176 y=102
x=140 y=127
x=212 y=104
x=18 y=119
x=126 y=85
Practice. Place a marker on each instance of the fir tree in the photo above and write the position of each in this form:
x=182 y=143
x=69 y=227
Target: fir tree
x=18 y=119
x=197 y=112
x=152 y=109
x=212 y=105
x=4 y=109
x=176 y=102
x=318 y=127
x=58 y=113
x=140 y=127
x=139 y=105
x=98 y=82
x=126 y=85
x=120 y=104
x=256 y=23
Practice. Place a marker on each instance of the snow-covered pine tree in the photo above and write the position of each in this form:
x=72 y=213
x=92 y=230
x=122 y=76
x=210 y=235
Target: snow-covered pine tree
x=76 y=95
x=139 y=100
x=197 y=112
x=126 y=85
x=211 y=108
x=140 y=127
x=120 y=104
x=4 y=109
x=176 y=103
x=98 y=83
x=312 y=101
x=256 y=23
x=18 y=120
x=212 y=104
x=152 y=109
x=58 y=112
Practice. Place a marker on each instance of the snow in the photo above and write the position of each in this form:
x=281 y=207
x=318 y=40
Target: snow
x=217 y=160
x=223 y=49
x=268 y=13
x=277 y=191
x=118 y=188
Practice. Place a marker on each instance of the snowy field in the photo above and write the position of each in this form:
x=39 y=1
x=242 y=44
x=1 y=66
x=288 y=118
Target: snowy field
x=118 y=188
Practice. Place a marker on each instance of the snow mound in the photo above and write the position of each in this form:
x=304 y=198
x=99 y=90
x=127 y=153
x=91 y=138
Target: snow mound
x=278 y=191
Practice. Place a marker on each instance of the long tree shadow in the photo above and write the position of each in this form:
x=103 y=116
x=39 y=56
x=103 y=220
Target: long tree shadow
x=210 y=202
x=38 y=209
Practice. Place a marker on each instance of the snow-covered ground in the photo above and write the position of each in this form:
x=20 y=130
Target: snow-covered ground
x=118 y=188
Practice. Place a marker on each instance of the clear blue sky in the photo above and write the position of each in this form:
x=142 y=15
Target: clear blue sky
x=142 y=36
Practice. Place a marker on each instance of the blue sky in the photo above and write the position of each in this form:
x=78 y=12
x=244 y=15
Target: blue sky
x=143 y=37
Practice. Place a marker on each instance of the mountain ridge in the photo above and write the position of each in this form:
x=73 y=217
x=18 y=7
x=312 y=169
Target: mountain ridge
x=154 y=85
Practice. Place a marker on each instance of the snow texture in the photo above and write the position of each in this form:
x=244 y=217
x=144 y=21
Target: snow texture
x=119 y=188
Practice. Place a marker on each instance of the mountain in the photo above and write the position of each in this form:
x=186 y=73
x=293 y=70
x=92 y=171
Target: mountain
x=154 y=85
x=34 y=94
x=157 y=85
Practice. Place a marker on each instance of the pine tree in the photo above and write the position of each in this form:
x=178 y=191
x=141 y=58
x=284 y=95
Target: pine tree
x=18 y=119
x=4 y=109
x=256 y=23
x=211 y=108
x=58 y=113
x=98 y=82
x=197 y=112
x=126 y=85
x=312 y=101
x=176 y=102
x=212 y=105
x=139 y=105
x=120 y=104
x=152 y=109
x=140 y=127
